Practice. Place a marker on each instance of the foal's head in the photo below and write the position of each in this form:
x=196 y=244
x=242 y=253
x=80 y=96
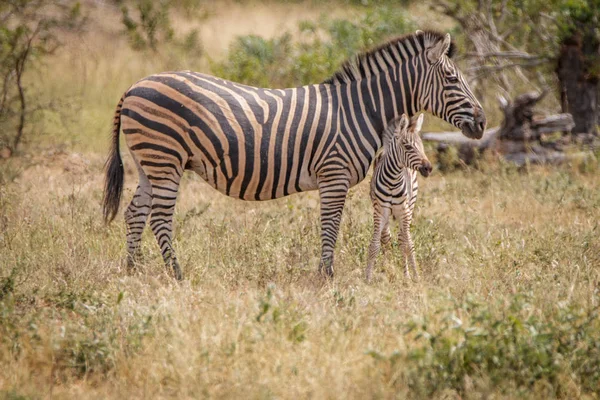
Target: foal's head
x=405 y=145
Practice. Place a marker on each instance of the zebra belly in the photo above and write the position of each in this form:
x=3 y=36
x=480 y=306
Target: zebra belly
x=224 y=183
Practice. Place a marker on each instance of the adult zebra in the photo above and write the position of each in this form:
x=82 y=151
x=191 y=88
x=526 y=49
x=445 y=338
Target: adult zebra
x=261 y=144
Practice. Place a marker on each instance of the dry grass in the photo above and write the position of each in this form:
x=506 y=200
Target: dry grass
x=252 y=319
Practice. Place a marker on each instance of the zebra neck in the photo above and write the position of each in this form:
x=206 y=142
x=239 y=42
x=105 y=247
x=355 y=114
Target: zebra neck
x=370 y=104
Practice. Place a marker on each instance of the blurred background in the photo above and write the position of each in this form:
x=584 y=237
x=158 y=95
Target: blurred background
x=65 y=64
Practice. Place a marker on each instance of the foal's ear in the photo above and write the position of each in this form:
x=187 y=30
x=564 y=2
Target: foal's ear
x=416 y=122
x=402 y=125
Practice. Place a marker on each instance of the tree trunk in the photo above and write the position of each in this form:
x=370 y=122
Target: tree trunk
x=579 y=81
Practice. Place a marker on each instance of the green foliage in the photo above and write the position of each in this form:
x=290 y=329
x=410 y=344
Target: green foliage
x=151 y=26
x=522 y=24
x=7 y=284
x=92 y=332
x=579 y=20
x=12 y=395
x=255 y=60
x=265 y=305
x=535 y=26
x=589 y=163
x=515 y=349
x=148 y=25
x=28 y=33
x=316 y=54
x=576 y=15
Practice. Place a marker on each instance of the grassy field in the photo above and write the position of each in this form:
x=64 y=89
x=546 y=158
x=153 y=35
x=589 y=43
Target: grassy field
x=506 y=307
x=509 y=266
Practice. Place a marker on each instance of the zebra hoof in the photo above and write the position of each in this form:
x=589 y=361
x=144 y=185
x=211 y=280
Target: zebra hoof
x=178 y=274
x=131 y=267
x=326 y=268
x=177 y=270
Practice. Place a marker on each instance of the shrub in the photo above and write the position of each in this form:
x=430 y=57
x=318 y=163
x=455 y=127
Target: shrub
x=518 y=349
x=315 y=54
x=28 y=33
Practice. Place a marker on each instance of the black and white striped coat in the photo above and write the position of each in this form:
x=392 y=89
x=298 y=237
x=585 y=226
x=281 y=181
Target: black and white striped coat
x=260 y=144
x=394 y=187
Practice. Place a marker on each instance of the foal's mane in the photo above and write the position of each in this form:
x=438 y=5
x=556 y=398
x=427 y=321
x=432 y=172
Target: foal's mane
x=388 y=133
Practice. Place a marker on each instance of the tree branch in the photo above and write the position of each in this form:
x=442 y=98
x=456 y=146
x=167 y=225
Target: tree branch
x=506 y=54
x=19 y=69
x=492 y=68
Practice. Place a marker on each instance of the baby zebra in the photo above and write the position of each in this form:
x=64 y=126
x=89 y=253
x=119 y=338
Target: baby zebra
x=394 y=187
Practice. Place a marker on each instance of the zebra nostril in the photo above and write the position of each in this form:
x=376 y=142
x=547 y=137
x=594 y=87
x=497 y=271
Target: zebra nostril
x=481 y=126
x=425 y=168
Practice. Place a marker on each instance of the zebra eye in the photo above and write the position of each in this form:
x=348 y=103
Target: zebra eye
x=452 y=79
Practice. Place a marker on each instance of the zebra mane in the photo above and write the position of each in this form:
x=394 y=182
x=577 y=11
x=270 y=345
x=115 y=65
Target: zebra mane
x=369 y=62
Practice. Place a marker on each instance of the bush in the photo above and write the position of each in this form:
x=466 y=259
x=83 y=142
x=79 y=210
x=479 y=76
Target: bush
x=28 y=33
x=518 y=350
x=316 y=54
x=148 y=26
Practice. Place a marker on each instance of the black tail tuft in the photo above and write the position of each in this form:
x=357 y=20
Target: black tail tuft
x=113 y=185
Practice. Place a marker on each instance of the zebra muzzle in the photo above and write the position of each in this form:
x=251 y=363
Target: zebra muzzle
x=425 y=168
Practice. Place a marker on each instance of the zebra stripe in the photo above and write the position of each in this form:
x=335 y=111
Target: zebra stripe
x=261 y=144
x=394 y=188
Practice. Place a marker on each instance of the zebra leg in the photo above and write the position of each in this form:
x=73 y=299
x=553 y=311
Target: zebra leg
x=136 y=215
x=406 y=242
x=164 y=196
x=386 y=235
x=380 y=221
x=333 y=190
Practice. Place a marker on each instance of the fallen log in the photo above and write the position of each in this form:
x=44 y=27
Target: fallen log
x=522 y=158
x=517 y=139
x=458 y=139
x=553 y=123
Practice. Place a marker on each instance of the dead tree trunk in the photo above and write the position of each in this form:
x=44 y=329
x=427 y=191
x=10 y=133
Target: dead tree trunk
x=518 y=139
x=578 y=82
x=518 y=117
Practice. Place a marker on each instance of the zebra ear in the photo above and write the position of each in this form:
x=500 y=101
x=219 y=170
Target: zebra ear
x=439 y=48
x=402 y=125
x=416 y=123
x=418 y=32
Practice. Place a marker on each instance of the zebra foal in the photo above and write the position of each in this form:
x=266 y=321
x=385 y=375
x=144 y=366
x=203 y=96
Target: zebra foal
x=394 y=187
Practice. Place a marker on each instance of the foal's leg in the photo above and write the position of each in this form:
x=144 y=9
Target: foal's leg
x=381 y=217
x=386 y=235
x=404 y=219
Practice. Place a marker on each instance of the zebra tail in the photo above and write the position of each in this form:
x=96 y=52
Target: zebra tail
x=113 y=184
